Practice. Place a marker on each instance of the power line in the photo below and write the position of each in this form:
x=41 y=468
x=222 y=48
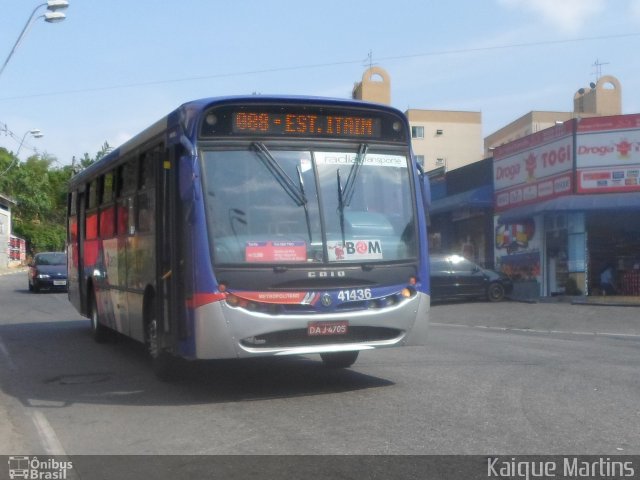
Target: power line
x=5 y=129
x=323 y=65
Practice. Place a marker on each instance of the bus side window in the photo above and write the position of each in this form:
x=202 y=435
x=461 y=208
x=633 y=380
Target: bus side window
x=107 y=209
x=127 y=181
x=129 y=177
x=73 y=207
x=91 y=217
x=145 y=212
x=147 y=173
x=93 y=195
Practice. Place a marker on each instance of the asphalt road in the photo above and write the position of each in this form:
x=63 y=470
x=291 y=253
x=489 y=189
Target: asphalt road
x=505 y=378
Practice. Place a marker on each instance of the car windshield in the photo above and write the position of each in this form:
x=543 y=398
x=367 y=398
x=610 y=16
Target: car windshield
x=301 y=206
x=51 y=259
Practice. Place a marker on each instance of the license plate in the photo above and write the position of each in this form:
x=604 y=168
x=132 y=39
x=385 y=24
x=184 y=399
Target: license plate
x=59 y=282
x=327 y=328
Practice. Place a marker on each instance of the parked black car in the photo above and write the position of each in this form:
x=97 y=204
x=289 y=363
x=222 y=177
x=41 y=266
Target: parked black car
x=48 y=270
x=455 y=277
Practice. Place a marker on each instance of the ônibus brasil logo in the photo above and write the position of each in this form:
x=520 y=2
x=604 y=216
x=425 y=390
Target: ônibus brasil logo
x=33 y=468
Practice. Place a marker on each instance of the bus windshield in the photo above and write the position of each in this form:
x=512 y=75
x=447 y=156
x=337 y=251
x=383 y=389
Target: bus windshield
x=273 y=205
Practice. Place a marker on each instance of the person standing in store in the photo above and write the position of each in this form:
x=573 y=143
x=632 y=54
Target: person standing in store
x=607 y=281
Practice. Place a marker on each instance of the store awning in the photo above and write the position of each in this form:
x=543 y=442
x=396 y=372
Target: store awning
x=575 y=203
x=481 y=197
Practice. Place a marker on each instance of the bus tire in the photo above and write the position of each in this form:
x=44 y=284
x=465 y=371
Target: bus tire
x=339 y=359
x=99 y=332
x=163 y=363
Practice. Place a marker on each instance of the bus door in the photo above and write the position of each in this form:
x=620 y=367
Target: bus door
x=82 y=281
x=168 y=272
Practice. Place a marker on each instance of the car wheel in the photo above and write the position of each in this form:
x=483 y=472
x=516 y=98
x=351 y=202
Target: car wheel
x=495 y=292
x=339 y=359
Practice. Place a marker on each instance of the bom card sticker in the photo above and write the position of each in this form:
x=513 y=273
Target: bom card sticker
x=354 y=250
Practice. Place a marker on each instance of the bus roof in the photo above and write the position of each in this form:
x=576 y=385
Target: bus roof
x=184 y=118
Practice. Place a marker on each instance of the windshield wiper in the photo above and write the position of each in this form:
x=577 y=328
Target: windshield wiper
x=306 y=209
x=346 y=194
x=349 y=186
x=284 y=180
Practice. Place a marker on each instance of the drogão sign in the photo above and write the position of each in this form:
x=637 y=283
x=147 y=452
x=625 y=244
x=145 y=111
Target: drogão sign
x=530 y=169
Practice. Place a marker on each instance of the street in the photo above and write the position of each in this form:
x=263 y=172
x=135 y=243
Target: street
x=508 y=378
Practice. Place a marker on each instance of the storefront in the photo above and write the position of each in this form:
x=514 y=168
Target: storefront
x=462 y=213
x=613 y=240
x=570 y=241
x=568 y=207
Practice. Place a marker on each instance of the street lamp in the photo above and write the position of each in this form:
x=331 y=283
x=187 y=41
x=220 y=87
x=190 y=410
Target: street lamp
x=35 y=133
x=53 y=15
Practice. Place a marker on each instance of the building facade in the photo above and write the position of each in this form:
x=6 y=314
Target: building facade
x=445 y=139
x=567 y=207
x=462 y=212
x=5 y=230
x=599 y=99
x=441 y=139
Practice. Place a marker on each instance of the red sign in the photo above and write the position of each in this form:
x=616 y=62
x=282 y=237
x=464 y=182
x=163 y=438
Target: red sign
x=609 y=180
x=608 y=154
x=534 y=168
x=275 y=252
x=281 y=298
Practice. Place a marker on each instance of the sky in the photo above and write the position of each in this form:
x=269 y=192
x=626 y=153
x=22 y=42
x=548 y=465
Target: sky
x=114 y=67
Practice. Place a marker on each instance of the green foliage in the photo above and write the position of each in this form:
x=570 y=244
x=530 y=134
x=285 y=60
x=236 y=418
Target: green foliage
x=39 y=188
x=42 y=237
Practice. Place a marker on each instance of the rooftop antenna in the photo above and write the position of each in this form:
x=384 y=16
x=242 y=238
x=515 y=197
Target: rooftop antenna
x=369 y=60
x=598 y=68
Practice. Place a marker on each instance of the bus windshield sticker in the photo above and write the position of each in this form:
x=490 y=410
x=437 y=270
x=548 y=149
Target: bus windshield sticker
x=354 y=250
x=372 y=159
x=278 y=251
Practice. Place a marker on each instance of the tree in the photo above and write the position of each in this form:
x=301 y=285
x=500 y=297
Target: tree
x=40 y=191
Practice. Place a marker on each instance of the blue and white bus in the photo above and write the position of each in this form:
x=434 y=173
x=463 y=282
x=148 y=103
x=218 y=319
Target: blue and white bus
x=253 y=226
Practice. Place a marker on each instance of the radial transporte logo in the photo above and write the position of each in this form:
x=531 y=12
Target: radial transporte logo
x=33 y=468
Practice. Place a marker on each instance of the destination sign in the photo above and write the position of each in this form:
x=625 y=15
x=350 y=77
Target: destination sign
x=305 y=124
x=301 y=121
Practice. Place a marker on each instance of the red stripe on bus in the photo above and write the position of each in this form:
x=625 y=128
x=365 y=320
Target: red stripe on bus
x=200 y=299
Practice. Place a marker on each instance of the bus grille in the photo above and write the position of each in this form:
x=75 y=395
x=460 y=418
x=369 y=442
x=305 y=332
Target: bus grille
x=300 y=338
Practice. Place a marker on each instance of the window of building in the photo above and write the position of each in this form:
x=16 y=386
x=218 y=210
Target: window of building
x=417 y=132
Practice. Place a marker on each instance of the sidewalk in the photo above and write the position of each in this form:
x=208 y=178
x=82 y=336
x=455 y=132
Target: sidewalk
x=598 y=300
x=10 y=270
x=555 y=314
x=609 y=300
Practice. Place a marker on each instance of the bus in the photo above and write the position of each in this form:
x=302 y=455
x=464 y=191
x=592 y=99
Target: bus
x=252 y=226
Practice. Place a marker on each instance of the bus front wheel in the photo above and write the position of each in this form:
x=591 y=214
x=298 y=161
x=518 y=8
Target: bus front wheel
x=163 y=363
x=339 y=359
